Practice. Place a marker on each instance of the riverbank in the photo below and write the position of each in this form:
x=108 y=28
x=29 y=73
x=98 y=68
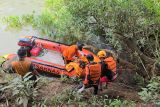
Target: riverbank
x=10 y=37
x=58 y=92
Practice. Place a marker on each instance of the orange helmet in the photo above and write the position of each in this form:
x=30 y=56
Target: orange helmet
x=101 y=54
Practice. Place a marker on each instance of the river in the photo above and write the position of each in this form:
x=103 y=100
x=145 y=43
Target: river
x=9 y=38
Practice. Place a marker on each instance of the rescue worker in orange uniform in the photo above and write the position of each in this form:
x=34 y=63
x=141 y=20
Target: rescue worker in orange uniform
x=92 y=75
x=23 y=66
x=71 y=52
x=108 y=66
x=78 y=67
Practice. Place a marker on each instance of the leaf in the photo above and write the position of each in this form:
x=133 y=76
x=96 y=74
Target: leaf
x=27 y=76
x=25 y=102
x=15 y=92
x=19 y=100
x=6 y=87
x=158 y=103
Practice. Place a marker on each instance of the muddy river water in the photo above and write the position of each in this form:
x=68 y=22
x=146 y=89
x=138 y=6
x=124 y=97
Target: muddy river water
x=9 y=38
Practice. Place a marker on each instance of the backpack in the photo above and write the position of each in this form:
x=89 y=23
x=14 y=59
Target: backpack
x=105 y=71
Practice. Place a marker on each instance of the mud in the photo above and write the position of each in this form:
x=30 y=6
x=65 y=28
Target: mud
x=116 y=90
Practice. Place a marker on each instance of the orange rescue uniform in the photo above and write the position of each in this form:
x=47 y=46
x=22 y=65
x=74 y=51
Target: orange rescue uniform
x=21 y=67
x=92 y=74
x=111 y=64
x=79 y=72
x=70 y=52
x=108 y=71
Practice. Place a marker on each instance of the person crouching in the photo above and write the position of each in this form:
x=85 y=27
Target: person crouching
x=71 y=52
x=23 y=66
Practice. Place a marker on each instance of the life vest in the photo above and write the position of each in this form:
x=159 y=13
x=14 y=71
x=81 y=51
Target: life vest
x=111 y=64
x=75 y=66
x=21 y=67
x=70 y=52
x=105 y=72
x=93 y=73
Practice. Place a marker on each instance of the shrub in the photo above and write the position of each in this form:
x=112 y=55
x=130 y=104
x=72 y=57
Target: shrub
x=152 y=91
x=72 y=98
x=23 y=91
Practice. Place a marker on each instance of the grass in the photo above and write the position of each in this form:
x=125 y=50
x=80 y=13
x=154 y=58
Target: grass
x=72 y=98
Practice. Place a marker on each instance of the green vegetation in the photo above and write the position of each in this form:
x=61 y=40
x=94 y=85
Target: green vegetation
x=152 y=91
x=25 y=95
x=127 y=25
x=1 y=59
x=22 y=91
x=72 y=98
